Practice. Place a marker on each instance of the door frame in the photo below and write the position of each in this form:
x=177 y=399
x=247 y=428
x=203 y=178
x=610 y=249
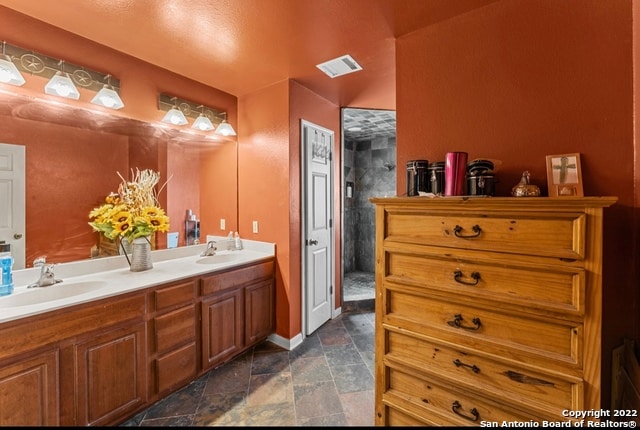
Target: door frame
x=303 y=230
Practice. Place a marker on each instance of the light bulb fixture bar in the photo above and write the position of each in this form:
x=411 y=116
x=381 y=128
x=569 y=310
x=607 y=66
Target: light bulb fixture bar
x=34 y=63
x=179 y=110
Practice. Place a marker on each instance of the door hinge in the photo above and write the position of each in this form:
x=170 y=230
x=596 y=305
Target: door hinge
x=330 y=289
x=330 y=156
x=330 y=223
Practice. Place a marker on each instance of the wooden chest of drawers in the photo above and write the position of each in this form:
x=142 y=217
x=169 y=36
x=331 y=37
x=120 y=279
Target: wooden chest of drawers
x=487 y=309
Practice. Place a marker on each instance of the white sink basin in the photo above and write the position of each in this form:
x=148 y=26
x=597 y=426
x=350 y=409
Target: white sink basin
x=62 y=290
x=218 y=258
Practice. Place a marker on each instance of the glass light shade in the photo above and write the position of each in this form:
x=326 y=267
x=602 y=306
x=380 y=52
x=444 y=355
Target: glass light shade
x=225 y=129
x=62 y=85
x=9 y=73
x=108 y=98
x=175 y=116
x=202 y=123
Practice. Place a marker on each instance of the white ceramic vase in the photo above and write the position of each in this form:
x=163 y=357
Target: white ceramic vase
x=141 y=254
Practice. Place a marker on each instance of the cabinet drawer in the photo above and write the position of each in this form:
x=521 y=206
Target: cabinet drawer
x=559 y=290
x=560 y=235
x=177 y=367
x=175 y=328
x=487 y=330
x=514 y=383
x=174 y=295
x=236 y=277
x=451 y=405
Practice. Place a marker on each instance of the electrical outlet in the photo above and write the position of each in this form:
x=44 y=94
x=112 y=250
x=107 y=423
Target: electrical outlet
x=255 y=226
x=223 y=224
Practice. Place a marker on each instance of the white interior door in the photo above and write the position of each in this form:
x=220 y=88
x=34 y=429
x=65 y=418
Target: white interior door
x=317 y=240
x=12 y=200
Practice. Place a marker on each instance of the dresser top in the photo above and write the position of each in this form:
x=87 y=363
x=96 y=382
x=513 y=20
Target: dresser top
x=488 y=202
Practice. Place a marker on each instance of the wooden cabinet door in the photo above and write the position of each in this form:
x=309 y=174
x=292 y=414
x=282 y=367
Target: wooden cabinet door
x=222 y=327
x=29 y=392
x=258 y=311
x=111 y=375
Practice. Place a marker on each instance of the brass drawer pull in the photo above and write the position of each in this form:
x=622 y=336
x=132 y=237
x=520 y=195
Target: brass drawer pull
x=476 y=229
x=473 y=367
x=457 y=323
x=458 y=274
x=456 y=405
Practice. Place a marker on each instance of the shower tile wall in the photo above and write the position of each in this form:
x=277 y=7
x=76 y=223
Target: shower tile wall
x=371 y=166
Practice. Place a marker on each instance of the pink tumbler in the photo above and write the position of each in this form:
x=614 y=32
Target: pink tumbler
x=455 y=171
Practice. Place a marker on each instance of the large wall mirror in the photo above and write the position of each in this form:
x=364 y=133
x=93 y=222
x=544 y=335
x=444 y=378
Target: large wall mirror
x=73 y=157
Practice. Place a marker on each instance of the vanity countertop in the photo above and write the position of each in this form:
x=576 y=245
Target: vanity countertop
x=105 y=277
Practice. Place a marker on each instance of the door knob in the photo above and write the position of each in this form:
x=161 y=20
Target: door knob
x=17 y=236
x=313 y=242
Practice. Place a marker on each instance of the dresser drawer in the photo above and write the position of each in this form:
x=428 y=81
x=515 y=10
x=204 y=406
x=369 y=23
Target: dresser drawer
x=445 y=403
x=539 y=289
x=486 y=330
x=546 y=393
x=560 y=235
x=397 y=418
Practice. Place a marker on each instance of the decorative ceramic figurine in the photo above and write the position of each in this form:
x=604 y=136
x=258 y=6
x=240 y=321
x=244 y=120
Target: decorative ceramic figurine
x=524 y=188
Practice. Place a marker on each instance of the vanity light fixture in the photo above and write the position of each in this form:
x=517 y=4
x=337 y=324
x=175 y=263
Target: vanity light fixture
x=108 y=97
x=174 y=115
x=179 y=111
x=64 y=78
x=9 y=73
x=202 y=122
x=224 y=128
x=61 y=85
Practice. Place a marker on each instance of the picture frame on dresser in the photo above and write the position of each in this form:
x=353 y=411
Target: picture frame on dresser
x=564 y=175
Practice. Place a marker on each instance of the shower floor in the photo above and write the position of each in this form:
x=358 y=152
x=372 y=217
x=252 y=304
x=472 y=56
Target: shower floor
x=359 y=286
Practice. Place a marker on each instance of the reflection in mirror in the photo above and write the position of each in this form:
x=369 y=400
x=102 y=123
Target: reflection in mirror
x=73 y=157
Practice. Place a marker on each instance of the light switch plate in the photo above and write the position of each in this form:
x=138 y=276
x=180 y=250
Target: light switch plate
x=255 y=226
x=223 y=224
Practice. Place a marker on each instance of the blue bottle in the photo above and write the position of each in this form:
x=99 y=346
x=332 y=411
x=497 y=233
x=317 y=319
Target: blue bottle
x=6 y=264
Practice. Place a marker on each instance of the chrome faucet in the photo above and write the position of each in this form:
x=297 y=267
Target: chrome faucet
x=211 y=249
x=47 y=277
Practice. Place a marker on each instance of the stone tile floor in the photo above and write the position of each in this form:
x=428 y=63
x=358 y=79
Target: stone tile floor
x=326 y=381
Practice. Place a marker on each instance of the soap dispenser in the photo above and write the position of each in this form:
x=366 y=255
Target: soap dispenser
x=6 y=264
x=236 y=237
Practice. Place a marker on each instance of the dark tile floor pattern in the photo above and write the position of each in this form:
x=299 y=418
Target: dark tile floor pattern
x=326 y=381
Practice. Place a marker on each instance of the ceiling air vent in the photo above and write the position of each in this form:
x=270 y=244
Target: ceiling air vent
x=339 y=66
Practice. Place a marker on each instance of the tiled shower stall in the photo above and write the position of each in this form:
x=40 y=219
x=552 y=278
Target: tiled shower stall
x=370 y=171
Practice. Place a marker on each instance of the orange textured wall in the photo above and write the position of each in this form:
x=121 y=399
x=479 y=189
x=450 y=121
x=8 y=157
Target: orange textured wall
x=516 y=81
x=269 y=183
x=218 y=189
x=263 y=190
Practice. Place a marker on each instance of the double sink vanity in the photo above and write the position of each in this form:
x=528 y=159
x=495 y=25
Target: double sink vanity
x=106 y=342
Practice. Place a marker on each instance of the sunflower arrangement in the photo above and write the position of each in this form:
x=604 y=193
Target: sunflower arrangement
x=133 y=211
